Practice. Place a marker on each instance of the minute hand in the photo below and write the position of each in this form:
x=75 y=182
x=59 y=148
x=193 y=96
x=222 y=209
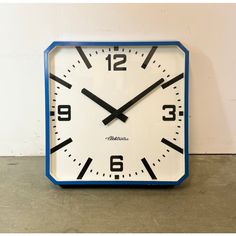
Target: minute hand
x=132 y=102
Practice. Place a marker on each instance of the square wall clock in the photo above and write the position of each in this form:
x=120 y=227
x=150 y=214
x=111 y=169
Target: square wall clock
x=116 y=113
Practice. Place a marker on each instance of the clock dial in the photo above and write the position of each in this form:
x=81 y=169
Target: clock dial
x=116 y=113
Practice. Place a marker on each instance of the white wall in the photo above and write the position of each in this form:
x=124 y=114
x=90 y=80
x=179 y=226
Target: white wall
x=208 y=31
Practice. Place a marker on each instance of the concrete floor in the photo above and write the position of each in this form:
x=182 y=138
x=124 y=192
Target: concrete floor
x=206 y=202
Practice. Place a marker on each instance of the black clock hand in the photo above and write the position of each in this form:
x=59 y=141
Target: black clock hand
x=103 y=104
x=132 y=102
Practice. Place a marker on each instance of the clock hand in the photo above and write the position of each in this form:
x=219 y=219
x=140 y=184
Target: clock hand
x=103 y=104
x=132 y=102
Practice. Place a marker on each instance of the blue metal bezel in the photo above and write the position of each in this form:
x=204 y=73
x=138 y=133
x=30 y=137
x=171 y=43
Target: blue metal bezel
x=117 y=183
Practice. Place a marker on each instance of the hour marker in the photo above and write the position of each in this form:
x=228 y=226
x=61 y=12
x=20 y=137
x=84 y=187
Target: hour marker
x=148 y=168
x=52 y=113
x=172 y=145
x=149 y=56
x=172 y=81
x=181 y=113
x=83 y=56
x=116 y=48
x=117 y=176
x=85 y=168
x=61 y=81
x=61 y=145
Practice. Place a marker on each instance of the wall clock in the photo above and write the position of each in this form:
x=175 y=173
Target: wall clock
x=116 y=113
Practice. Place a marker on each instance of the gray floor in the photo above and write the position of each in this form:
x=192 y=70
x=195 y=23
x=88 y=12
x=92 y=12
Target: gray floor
x=206 y=202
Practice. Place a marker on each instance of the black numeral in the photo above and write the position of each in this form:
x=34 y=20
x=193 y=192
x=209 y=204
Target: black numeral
x=64 y=113
x=117 y=65
x=116 y=163
x=109 y=61
x=172 y=115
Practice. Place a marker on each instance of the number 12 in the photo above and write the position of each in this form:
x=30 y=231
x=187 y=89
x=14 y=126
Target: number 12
x=117 y=65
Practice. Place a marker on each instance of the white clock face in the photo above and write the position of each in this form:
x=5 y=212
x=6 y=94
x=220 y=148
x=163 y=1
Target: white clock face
x=117 y=113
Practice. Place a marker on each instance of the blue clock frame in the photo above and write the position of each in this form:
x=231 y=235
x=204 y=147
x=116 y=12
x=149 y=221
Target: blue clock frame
x=47 y=112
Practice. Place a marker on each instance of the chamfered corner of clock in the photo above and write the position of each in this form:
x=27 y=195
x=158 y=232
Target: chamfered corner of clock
x=182 y=179
x=51 y=47
x=182 y=47
x=51 y=178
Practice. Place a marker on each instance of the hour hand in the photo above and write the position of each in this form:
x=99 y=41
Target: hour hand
x=103 y=104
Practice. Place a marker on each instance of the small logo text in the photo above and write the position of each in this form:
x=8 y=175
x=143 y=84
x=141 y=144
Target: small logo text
x=116 y=138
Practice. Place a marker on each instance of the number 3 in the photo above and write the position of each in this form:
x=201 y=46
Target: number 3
x=171 y=112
